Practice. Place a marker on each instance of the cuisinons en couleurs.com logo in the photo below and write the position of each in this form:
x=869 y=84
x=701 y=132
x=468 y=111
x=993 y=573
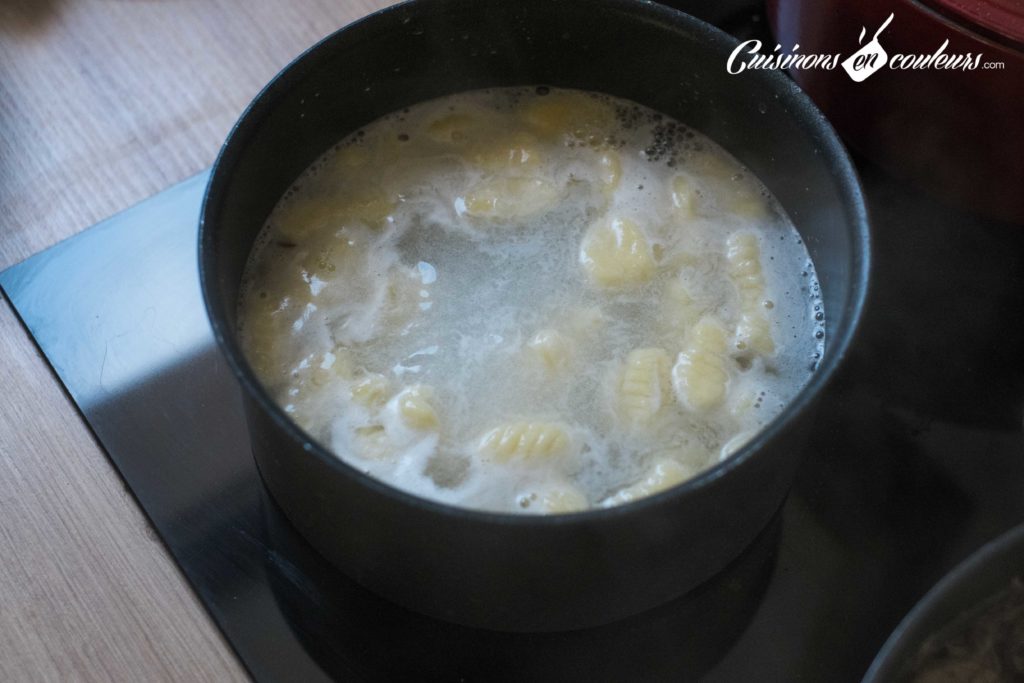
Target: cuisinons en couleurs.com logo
x=870 y=58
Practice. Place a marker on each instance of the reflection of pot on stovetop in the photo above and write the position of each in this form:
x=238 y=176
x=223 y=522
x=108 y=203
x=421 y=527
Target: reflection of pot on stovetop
x=681 y=640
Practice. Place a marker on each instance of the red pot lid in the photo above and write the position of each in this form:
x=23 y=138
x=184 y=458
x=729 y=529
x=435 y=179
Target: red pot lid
x=1000 y=20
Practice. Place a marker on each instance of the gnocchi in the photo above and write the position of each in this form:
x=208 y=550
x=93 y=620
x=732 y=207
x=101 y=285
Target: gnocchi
x=371 y=390
x=663 y=475
x=684 y=197
x=562 y=499
x=615 y=253
x=700 y=376
x=679 y=310
x=552 y=349
x=371 y=442
x=645 y=387
x=507 y=197
x=518 y=151
x=526 y=441
x=416 y=408
x=753 y=332
x=572 y=114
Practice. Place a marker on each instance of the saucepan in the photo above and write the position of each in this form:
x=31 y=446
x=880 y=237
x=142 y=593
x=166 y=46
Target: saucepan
x=499 y=571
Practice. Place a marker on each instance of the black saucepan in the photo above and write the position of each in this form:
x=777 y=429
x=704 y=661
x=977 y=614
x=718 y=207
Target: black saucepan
x=527 y=572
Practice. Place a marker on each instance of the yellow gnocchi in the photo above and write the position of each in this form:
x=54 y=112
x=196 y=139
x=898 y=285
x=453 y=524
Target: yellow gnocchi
x=573 y=114
x=700 y=376
x=562 y=499
x=735 y=194
x=266 y=327
x=645 y=387
x=508 y=197
x=744 y=254
x=415 y=407
x=371 y=391
x=712 y=168
x=735 y=443
x=323 y=263
x=404 y=297
x=615 y=253
x=371 y=442
x=372 y=207
x=747 y=203
x=753 y=333
x=513 y=152
x=551 y=348
x=679 y=310
x=526 y=441
x=332 y=365
x=301 y=217
x=684 y=197
x=663 y=475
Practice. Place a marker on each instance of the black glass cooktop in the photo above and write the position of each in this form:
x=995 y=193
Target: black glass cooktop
x=917 y=458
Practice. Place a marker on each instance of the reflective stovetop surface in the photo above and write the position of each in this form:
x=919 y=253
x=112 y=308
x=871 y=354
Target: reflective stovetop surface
x=917 y=458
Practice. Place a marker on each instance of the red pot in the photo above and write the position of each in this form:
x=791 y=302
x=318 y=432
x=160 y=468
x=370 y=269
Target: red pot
x=959 y=133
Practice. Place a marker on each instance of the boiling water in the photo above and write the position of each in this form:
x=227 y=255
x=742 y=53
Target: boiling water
x=510 y=254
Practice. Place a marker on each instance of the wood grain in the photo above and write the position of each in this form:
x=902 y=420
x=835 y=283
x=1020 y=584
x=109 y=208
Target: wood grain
x=102 y=104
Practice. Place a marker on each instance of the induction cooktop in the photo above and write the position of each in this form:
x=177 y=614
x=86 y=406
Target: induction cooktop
x=916 y=459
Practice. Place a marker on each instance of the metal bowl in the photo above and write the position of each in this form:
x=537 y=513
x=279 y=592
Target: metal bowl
x=980 y=577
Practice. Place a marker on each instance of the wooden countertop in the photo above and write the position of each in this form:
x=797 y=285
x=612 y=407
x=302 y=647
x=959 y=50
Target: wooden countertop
x=102 y=104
